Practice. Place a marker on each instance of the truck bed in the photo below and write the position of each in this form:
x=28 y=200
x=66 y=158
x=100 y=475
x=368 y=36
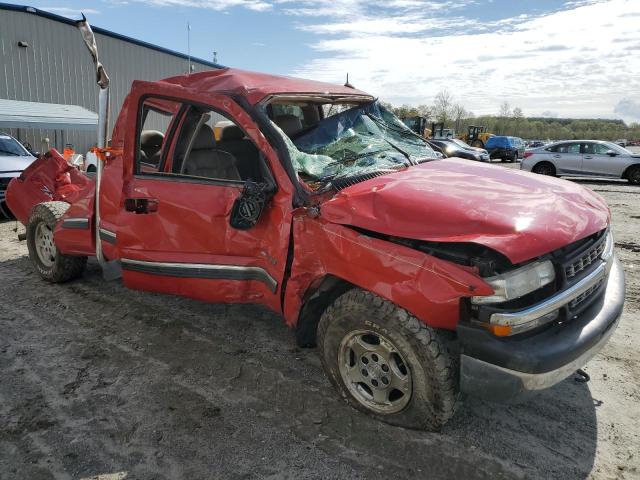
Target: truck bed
x=49 y=178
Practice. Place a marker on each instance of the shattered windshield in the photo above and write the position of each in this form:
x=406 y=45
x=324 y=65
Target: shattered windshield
x=357 y=140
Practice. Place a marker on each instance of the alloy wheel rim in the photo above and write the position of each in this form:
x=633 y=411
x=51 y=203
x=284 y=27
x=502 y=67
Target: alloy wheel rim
x=375 y=372
x=45 y=248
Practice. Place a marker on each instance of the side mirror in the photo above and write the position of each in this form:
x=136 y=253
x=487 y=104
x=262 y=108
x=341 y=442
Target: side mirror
x=612 y=153
x=248 y=207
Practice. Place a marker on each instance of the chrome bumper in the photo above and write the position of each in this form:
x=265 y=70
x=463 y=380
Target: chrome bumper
x=557 y=301
x=502 y=369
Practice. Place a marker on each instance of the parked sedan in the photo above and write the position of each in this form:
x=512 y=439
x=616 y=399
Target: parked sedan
x=14 y=158
x=452 y=147
x=584 y=158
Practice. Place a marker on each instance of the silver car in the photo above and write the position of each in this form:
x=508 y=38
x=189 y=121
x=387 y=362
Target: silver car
x=14 y=158
x=583 y=158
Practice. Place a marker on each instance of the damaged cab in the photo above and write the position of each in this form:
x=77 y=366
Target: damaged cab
x=416 y=277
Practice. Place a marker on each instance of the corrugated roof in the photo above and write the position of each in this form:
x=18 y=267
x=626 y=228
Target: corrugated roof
x=102 y=31
x=18 y=114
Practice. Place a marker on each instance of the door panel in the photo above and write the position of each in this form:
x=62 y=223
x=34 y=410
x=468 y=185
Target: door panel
x=189 y=241
x=596 y=162
x=174 y=233
x=567 y=158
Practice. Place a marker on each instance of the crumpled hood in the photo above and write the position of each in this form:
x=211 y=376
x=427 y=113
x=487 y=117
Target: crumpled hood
x=11 y=164
x=521 y=215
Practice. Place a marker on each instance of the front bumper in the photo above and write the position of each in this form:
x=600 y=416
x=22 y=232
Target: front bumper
x=504 y=368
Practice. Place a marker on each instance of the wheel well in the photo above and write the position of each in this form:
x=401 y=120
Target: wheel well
x=542 y=162
x=626 y=172
x=315 y=302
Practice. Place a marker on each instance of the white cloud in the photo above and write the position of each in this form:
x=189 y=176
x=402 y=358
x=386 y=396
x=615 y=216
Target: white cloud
x=217 y=5
x=570 y=61
x=629 y=109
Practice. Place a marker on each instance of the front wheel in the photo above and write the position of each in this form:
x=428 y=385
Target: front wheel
x=633 y=175
x=48 y=261
x=387 y=363
x=544 y=168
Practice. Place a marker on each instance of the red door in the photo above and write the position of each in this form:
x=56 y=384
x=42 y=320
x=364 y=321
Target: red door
x=174 y=233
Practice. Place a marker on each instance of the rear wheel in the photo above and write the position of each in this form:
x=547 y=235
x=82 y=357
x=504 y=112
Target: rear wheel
x=633 y=175
x=544 y=168
x=387 y=363
x=48 y=261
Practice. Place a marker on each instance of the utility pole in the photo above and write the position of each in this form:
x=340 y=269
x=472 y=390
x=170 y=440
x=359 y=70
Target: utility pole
x=189 y=48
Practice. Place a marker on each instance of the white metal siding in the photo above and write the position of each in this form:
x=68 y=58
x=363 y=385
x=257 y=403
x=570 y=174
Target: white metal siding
x=56 y=68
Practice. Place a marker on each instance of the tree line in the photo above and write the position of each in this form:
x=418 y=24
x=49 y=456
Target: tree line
x=512 y=121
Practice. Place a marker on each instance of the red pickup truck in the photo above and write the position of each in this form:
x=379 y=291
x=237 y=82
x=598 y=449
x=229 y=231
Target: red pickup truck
x=418 y=278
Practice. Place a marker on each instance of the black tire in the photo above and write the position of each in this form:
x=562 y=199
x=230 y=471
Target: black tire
x=633 y=175
x=59 y=267
x=432 y=367
x=477 y=143
x=544 y=168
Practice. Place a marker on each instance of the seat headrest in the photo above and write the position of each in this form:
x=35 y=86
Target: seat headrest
x=290 y=124
x=231 y=132
x=204 y=138
x=151 y=138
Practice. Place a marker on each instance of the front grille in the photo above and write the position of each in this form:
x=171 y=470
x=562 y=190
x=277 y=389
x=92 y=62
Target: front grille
x=575 y=262
x=590 y=256
x=584 y=295
x=4 y=182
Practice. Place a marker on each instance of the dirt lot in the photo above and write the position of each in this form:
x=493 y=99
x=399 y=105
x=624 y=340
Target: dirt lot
x=95 y=379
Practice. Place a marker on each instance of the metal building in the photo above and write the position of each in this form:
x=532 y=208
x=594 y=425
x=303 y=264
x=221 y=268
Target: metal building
x=43 y=59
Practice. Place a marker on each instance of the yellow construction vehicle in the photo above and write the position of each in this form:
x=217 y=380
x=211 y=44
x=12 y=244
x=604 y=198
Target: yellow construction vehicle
x=476 y=136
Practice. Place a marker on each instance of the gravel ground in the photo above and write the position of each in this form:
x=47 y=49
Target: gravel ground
x=96 y=379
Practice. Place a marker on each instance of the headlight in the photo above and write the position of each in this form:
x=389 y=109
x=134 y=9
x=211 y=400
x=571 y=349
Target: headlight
x=517 y=283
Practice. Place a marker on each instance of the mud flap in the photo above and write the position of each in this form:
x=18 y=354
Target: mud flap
x=111 y=270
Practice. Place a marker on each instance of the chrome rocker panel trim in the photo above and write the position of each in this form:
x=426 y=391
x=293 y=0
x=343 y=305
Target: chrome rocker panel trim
x=198 y=270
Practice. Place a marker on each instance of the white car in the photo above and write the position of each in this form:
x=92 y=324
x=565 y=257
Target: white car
x=14 y=158
x=584 y=158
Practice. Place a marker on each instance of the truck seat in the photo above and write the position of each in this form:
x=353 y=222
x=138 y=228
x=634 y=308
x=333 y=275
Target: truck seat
x=206 y=160
x=290 y=124
x=234 y=141
x=151 y=146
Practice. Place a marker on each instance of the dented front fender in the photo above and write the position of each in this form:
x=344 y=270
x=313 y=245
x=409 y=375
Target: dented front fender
x=428 y=287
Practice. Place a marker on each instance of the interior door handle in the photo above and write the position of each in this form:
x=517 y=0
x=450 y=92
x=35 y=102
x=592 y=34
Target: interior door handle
x=141 y=205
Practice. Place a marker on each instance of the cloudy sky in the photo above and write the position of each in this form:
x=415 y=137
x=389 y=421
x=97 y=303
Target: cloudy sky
x=576 y=58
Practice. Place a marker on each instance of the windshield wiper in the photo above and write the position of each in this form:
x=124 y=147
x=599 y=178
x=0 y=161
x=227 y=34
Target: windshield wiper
x=348 y=159
x=411 y=162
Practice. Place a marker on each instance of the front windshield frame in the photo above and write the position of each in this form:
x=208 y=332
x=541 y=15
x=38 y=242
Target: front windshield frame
x=17 y=151
x=321 y=148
